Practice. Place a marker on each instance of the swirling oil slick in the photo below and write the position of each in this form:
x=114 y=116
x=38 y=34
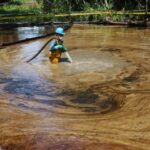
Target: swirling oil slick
x=99 y=102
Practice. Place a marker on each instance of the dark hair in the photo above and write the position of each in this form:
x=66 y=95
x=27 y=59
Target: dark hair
x=59 y=34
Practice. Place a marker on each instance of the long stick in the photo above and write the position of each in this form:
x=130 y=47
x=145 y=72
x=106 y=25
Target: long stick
x=39 y=51
x=68 y=56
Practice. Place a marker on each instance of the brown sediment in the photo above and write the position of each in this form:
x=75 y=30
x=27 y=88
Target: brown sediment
x=47 y=142
x=99 y=102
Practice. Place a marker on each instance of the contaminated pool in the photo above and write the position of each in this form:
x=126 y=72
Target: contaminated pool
x=100 y=101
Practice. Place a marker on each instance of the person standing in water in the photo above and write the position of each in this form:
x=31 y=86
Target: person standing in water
x=56 y=47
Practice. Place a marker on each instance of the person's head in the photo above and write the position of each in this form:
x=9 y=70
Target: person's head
x=59 y=32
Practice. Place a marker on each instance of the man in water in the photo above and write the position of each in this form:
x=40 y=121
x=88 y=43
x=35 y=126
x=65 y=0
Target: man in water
x=57 y=48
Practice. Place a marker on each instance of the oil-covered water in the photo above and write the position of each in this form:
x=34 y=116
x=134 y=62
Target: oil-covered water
x=10 y=35
x=98 y=102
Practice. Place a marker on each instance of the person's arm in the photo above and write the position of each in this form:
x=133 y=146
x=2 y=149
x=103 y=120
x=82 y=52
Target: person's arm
x=52 y=45
x=60 y=47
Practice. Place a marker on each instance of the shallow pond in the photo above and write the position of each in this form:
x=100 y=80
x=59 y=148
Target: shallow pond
x=9 y=35
x=98 y=102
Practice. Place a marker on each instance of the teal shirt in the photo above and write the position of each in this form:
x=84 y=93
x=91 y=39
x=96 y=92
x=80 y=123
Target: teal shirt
x=55 y=45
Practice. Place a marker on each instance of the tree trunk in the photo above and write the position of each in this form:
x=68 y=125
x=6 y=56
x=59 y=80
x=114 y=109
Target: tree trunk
x=106 y=3
x=146 y=9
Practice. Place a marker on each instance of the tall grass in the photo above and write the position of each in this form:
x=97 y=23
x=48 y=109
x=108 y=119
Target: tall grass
x=17 y=7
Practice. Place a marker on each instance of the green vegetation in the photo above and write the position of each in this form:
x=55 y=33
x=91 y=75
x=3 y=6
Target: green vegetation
x=70 y=6
x=24 y=7
x=13 y=9
x=57 y=6
x=20 y=7
x=90 y=5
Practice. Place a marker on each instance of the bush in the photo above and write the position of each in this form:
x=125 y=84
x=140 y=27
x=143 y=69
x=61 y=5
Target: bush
x=16 y=2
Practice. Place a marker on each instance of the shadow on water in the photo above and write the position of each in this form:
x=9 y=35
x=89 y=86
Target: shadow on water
x=25 y=86
x=92 y=103
x=85 y=97
x=86 y=102
x=42 y=92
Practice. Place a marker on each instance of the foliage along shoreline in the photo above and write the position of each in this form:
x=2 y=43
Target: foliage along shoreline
x=39 y=11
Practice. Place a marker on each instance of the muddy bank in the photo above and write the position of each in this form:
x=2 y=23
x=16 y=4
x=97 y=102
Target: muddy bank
x=128 y=23
x=100 y=101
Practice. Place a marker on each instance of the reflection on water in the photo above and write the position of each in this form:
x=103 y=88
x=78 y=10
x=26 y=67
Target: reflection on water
x=98 y=102
x=11 y=35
